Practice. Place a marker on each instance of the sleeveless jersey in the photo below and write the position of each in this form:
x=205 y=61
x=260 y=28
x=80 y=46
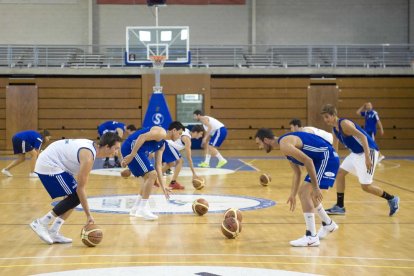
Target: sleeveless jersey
x=148 y=146
x=321 y=133
x=215 y=124
x=371 y=119
x=63 y=155
x=351 y=142
x=31 y=137
x=178 y=144
x=110 y=126
x=314 y=146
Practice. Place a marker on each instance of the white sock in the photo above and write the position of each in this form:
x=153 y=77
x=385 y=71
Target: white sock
x=136 y=204
x=143 y=204
x=207 y=159
x=56 y=225
x=310 y=223
x=46 y=219
x=323 y=215
x=220 y=157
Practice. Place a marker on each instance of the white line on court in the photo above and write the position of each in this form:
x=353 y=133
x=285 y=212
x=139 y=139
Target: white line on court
x=247 y=164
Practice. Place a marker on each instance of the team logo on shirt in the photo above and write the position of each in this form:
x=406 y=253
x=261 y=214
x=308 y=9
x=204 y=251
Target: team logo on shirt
x=158 y=118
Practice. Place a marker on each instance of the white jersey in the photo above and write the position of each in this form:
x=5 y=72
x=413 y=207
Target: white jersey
x=320 y=132
x=63 y=156
x=215 y=124
x=178 y=144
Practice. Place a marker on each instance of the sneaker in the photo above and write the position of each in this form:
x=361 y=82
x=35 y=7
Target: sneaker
x=117 y=164
x=6 y=172
x=336 y=210
x=146 y=214
x=326 y=229
x=382 y=157
x=58 y=238
x=133 y=211
x=221 y=163
x=204 y=165
x=169 y=172
x=394 y=205
x=176 y=186
x=33 y=175
x=306 y=241
x=107 y=165
x=41 y=231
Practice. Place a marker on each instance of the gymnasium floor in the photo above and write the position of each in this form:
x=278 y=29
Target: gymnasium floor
x=368 y=242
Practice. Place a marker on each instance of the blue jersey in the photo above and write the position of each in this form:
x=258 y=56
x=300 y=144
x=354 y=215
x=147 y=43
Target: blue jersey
x=31 y=137
x=148 y=146
x=110 y=126
x=314 y=146
x=371 y=119
x=351 y=142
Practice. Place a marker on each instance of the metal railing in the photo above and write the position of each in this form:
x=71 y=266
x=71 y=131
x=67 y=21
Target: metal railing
x=252 y=56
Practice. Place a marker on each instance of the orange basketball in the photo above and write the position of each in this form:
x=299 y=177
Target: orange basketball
x=265 y=179
x=91 y=235
x=198 y=183
x=233 y=213
x=231 y=227
x=200 y=206
x=126 y=173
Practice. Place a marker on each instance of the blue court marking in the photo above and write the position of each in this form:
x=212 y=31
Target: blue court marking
x=263 y=203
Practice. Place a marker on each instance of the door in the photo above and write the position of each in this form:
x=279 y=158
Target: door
x=318 y=96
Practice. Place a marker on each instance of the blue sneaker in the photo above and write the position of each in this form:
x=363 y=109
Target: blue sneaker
x=335 y=210
x=394 y=205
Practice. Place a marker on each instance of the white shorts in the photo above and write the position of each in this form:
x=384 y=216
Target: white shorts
x=355 y=164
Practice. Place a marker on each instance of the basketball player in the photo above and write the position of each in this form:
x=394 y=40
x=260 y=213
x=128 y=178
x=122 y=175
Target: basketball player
x=28 y=141
x=116 y=127
x=296 y=125
x=217 y=132
x=57 y=167
x=172 y=156
x=371 y=121
x=136 y=150
x=361 y=162
x=321 y=162
x=130 y=129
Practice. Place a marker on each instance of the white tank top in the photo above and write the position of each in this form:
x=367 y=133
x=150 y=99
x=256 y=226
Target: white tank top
x=178 y=144
x=62 y=156
x=320 y=132
x=215 y=124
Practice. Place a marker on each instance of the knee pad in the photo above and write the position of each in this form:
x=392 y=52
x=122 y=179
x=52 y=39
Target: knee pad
x=66 y=204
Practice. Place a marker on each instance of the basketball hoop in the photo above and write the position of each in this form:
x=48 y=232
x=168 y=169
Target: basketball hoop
x=158 y=61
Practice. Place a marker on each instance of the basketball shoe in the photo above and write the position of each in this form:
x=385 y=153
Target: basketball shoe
x=204 y=165
x=327 y=229
x=6 y=172
x=175 y=185
x=146 y=214
x=221 y=163
x=336 y=210
x=58 y=238
x=394 y=205
x=41 y=231
x=33 y=175
x=306 y=241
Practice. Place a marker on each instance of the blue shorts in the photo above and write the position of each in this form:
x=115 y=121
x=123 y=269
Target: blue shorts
x=371 y=134
x=141 y=164
x=20 y=146
x=326 y=171
x=218 y=138
x=170 y=154
x=58 y=185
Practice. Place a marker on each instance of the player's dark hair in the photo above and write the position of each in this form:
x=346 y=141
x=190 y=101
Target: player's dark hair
x=197 y=128
x=329 y=109
x=109 y=139
x=176 y=125
x=296 y=122
x=45 y=133
x=131 y=127
x=198 y=112
x=265 y=133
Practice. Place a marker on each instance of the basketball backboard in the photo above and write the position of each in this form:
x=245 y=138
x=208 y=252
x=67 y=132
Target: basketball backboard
x=172 y=42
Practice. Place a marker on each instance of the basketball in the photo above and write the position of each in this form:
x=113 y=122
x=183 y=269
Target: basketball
x=230 y=227
x=265 y=179
x=233 y=213
x=126 y=173
x=198 y=183
x=91 y=235
x=200 y=206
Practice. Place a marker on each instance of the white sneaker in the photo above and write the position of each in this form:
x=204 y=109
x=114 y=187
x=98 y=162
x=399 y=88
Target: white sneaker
x=133 y=211
x=382 y=157
x=325 y=230
x=58 y=238
x=33 y=175
x=41 y=231
x=6 y=172
x=146 y=214
x=306 y=241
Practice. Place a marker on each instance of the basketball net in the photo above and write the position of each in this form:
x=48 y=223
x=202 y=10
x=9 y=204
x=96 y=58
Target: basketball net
x=158 y=61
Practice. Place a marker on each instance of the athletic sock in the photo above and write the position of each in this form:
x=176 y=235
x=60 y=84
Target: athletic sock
x=56 y=225
x=340 y=199
x=323 y=215
x=310 y=223
x=46 y=219
x=207 y=159
x=387 y=196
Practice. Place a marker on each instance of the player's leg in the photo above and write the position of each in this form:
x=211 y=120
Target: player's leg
x=207 y=155
x=174 y=184
x=215 y=142
x=33 y=159
x=19 y=149
x=310 y=238
x=172 y=157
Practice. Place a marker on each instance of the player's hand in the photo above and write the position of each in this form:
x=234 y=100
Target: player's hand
x=167 y=192
x=90 y=220
x=292 y=201
x=368 y=164
x=127 y=159
x=317 y=194
x=382 y=132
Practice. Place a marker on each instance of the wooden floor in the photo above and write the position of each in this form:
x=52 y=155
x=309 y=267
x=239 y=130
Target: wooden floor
x=368 y=242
